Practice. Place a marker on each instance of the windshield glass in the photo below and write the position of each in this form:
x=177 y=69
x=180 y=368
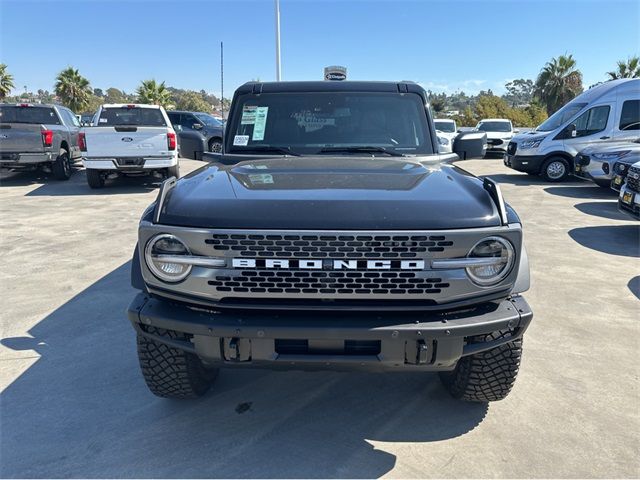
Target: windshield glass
x=142 y=117
x=560 y=117
x=209 y=120
x=316 y=122
x=494 y=126
x=38 y=115
x=444 y=126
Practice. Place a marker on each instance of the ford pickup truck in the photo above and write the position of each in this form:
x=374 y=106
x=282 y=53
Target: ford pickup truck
x=129 y=140
x=330 y=234
x=39 y=136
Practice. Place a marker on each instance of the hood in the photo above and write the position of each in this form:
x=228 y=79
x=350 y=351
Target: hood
x=325 y=193
x=500 y=135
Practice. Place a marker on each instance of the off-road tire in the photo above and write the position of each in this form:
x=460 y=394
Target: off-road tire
x=486 y=376
x=215 y=145
x=172 y=373
x=61 y=167
x=547 y=173
x=173 y=171
x=95 y=178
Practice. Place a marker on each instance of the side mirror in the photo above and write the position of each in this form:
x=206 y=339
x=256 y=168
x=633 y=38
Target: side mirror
x=470 y=145
x=197 y=126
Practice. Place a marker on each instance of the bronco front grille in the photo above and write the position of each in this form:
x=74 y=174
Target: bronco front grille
x=329 y=246
x=633 y=179
x=335 y=282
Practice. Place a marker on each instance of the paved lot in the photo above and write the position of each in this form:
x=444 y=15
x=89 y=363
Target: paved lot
x=74 y=404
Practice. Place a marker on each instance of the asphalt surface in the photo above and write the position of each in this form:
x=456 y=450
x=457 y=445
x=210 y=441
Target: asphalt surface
x=73 y=403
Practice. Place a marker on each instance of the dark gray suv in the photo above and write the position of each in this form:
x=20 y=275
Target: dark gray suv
x=198 y=132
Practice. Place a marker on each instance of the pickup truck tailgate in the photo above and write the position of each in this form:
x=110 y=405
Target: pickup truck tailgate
x=21 y=137
x=115 y=142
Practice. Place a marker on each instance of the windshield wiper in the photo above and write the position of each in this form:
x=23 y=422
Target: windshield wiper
x=363 y=149
x=268 y=149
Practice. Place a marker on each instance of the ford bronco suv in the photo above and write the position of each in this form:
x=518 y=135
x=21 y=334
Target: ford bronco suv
x=330 y=234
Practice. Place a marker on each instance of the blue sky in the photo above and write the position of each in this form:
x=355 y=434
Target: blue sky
x=444 y=45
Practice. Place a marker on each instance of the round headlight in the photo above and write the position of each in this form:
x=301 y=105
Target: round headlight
x=498 y=256
x=158 y=255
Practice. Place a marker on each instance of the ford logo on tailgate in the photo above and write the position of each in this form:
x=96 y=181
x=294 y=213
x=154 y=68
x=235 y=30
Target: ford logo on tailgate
x=127 y=139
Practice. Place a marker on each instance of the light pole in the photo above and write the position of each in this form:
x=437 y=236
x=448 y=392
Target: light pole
x=278 y=72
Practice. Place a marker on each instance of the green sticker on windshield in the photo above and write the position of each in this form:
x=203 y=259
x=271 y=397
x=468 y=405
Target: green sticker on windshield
x=248 y=115
x=260 y=123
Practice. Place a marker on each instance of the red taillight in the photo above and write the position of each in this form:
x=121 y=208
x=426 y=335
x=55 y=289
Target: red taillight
x=131 y=106
x=47 y=138
x=24 y=105
x=171 y=140
x=82 y=142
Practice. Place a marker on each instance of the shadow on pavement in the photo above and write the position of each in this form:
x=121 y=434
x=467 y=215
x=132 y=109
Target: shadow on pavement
x=602 y=209
x=77 y=185
x=82 y=410
x=634 y=286
x=587 y=191
x=25 y=178
x=622 y=240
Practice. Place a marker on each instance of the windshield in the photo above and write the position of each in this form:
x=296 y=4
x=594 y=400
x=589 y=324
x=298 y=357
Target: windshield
x=323 y=122
x=208 y=120
x=37 y=115
x=560 y=117
x=444 y=126
x=141 y=117
x=494 y=126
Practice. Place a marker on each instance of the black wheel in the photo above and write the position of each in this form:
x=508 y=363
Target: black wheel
x=556 y=169
x=61 y=167
x=173 y=171
x=215 y=145
x=170 y=372
x=486 y=376
x=95 y=179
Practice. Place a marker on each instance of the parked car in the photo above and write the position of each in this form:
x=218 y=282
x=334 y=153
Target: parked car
x=620 y=171
x=129 y=139
x=629 y=199
x=499 y=132
x=447 y=132
x=607 y=112
x=198 y=132
x=86 y=119
x=596 y=162
x=300 y=247
x=39 y=136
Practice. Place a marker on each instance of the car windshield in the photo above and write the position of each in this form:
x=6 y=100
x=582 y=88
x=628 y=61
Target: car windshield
x=494 y=126
x=141 y=117
x=37 y=115
x=560 y=117
x=209 y=120
x=368 y=123
x=443 y=126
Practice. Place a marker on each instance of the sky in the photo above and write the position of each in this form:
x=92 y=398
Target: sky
x=443 y=45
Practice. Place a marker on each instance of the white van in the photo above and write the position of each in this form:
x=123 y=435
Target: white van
x=608 y=112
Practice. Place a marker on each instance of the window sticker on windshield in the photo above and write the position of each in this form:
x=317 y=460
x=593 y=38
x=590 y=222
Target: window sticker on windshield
x=260 y=123
x=241 y=140
x=262 y=179
x=103 y=120
x=248 y=115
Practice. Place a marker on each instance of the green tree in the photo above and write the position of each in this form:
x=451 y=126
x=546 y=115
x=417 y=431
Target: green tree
x=558 y=82
x=73 y=89
x=628 y=69
x=153 y=93
x=490 y=106
x=113 y=95
x=438 y=101
x=519 y=92
x=6 y=82
x=192 y=101
x=94 y=102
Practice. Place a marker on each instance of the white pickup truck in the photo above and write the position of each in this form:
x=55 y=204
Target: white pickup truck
x=129 y=140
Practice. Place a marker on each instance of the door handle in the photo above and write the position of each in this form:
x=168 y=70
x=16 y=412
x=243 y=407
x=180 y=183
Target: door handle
x=605 y=138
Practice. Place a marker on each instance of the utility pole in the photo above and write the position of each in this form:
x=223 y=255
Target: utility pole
x=278 y=71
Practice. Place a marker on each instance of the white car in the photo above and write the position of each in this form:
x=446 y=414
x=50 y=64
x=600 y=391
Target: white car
x=129 y=140
x=629 y=199
x=447 y=131
x=499 y=132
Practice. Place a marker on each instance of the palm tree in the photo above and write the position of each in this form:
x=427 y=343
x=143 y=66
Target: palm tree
x=558 y=82
x=628 y=69
x=73 y=89
x=154 y=93
x=6 y=81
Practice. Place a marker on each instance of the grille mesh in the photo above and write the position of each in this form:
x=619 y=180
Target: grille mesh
x=633 y=183
x=333 y=246
x=335 y=282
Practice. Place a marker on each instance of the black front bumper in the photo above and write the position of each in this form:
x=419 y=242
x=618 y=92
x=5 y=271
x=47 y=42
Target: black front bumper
x=331 y=340
x=524 y=163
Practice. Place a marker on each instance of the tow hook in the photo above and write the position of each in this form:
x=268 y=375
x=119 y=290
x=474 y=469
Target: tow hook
x=234 y=351
x=422 y=352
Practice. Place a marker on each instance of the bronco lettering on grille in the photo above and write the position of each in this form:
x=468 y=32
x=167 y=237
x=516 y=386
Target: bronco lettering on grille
x=326 y=264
